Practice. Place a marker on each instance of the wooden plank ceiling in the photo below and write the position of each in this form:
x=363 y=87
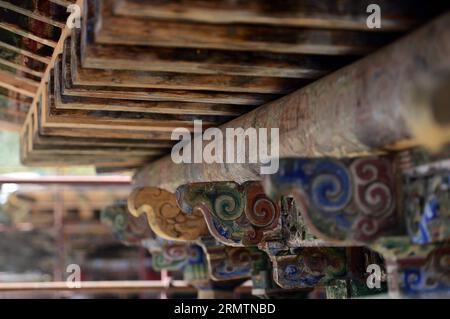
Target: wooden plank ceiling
x=111 y=92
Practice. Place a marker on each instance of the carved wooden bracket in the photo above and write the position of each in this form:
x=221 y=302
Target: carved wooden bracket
x=236 y=215
x=170 y=256
x=135 y=231
x=220 y=262
x=128 y=229
x=229 y=263
x=310 y=267
x=348 y=201
x=265 y=287
x=226 y=207
x=196 y=269
x=211 y=260
x=427 y=205
x=425 y=274
x=416 y=270
x=164 y=216
x=307 y=267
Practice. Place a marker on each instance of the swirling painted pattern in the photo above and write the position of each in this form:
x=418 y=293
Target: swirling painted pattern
x=349 y=200
x=329 y=183
x=227 y=207
x=373 y=182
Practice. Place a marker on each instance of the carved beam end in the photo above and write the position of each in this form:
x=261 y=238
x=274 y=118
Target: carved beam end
x=346 y=200
x=164 y=216
x=236 y=215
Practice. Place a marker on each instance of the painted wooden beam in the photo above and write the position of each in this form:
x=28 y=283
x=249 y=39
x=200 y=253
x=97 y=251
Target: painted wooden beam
x=365 y=108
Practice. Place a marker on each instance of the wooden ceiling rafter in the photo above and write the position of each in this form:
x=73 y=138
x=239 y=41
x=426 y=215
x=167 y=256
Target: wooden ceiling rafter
x=31 y=14
x=26 y=48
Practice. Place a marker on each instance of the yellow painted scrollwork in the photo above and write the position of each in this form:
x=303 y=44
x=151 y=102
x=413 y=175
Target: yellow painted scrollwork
x=164 y=216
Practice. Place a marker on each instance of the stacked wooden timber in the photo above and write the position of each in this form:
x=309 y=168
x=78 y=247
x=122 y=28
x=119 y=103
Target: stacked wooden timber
x=136 y=70
x=29 y=31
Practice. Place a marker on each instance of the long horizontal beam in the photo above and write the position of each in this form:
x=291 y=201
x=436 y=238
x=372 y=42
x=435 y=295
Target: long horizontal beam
x=327 y=14
x=68 y=180
x=367 y=107
x=34 y=15
x=27 y=34
x=138 y=286
x=235 y=37
x=97 y=286
x=37 y=57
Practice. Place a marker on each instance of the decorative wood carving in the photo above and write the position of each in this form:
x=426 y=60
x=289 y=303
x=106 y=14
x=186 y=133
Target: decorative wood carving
x=170 y=256
x=307 y=267
x=236 y=215
x=426 y=201
x=292 y=231
x=287 y=245
x=342 y=201
x=196 y=269
x=265 y=287
x=352 y=288
x=166 y=255
x=128 y=229
x=416 y=270
x=221 y=262
x=425 y=273
x=419 y=262
x=164 y=216
x=229 y=263
x=299 y=260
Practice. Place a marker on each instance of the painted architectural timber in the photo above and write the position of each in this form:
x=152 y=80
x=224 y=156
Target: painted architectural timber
x=186 y=229
x=242 y=215
x=264 y=286
x=416 y=270
x=164 y=216
x=419 y=262
x=334 y=203
x=360 y=200
x=427 y=205
x=229 y=263
x=343 y=201
x=425 y=273
x=173 y=256
x=323 y=266
x=352 y=201
x=308 y=267
x=135 y=231
x=299 y=259
x=126 y=228
x=236 y=215
x=166 y=255
x=366 y=107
